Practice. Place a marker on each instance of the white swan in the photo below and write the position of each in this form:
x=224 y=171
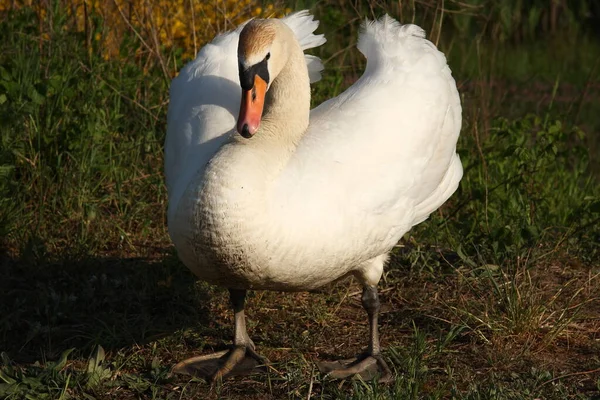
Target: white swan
x=305 y=197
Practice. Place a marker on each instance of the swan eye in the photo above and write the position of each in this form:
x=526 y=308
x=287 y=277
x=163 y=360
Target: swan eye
x=268 y=56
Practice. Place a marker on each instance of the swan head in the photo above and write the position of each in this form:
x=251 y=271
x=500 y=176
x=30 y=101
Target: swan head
x=262 y=54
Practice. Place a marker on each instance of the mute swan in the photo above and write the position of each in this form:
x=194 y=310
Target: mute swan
x=301 y=198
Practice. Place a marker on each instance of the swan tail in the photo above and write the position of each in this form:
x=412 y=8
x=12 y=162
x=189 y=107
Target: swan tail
x=303 y=25
x=386 y=38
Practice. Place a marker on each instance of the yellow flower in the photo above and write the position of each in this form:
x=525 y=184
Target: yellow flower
x=168 y=22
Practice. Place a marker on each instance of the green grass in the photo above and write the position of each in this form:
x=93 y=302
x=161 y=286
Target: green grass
x=496 y=296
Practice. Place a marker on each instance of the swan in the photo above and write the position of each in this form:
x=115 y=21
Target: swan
x=266 y=194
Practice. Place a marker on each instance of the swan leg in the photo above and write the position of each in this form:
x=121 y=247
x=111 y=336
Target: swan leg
x=242 y=359
x=370 y=363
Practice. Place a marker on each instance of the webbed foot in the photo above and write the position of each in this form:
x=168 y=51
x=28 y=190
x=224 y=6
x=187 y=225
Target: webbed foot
x=241 y=360
x=366 y=366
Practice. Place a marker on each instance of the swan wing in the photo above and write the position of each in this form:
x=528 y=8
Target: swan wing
x=380 y=157
x=205 y=99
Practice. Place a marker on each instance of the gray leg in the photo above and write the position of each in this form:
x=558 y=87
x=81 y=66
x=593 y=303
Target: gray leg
x=242 y=344
x=370 y=302
x=372 y=357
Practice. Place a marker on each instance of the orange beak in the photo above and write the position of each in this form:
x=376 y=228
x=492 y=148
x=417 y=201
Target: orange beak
x=251 y=108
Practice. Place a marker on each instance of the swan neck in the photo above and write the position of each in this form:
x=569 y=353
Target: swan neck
x=245 y=171
x=287 y=104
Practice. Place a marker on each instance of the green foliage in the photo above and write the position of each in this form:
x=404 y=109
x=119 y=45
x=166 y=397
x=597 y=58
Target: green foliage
x=526 y=191
x=501 y=21
x=58 y=380
x=77 y=145
x=518 y=20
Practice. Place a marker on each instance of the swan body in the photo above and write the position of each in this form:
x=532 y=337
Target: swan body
x=299 y=211
x=312 y=195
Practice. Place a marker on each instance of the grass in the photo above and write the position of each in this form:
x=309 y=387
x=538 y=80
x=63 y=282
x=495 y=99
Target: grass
x=496 y=296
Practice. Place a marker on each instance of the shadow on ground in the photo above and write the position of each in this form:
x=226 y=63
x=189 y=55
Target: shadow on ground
x=48 y=308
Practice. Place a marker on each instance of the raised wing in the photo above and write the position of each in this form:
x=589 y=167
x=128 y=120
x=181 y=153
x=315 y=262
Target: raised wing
x=380 y=157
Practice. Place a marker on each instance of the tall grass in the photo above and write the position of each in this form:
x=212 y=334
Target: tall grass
x=81 y=141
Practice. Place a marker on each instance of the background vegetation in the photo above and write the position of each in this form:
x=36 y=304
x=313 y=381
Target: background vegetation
x=496 y=296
